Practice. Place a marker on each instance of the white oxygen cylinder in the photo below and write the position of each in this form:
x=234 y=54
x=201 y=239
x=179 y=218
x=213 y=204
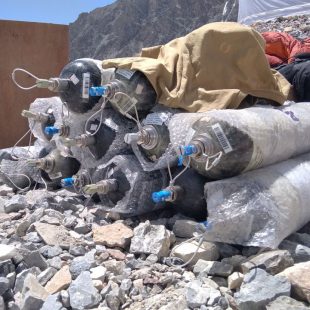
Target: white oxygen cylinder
x=261 y=207
x=44 y=112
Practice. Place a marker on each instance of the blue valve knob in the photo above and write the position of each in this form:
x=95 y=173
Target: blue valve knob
x=206 y=224
x=51 y=130
x=162 y=195
x=67 y=182
x=97 y=91
x=180 y=161
x=188 y=150
x=203 y=227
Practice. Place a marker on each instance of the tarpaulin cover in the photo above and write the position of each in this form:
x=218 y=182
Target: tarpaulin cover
x=214 y=67
x=282 y=47
x=255 y=10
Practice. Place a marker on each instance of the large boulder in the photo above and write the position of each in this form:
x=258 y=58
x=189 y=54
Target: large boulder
x=299 y=277
x=259 y=288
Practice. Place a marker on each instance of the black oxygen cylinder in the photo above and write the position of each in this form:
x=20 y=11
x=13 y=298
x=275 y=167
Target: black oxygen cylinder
x=153 y=140
x=74 y=83
x=186 y=194
x=151 y=144
x=123 y=187
x=128 y=92
x=104 y=139
x=80 y=74
x=224 y=143
x=77 y=181
x=214 y=137
x=55 y=167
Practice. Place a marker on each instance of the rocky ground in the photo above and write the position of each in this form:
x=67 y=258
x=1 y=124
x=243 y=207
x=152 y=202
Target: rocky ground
x=297 y=26
x=57 y=254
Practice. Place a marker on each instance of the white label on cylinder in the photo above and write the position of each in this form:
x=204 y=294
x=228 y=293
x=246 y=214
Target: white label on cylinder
x=109 y=122
x=132 y=103
x=74 y=79
x=55 y=176
x=93 y=127
x=221 y=137
x=139 y=89
x=155 y=119
x=126 y=73
x=110 y=173
x=190 y=134
x=86 y=84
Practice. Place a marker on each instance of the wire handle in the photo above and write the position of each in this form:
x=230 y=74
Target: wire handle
x=8 y=175
x=40 y=83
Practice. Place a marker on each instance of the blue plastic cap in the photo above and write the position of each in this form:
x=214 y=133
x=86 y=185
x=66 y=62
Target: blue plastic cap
x=67 y=182
x=207 y=225
x=180 y=161
x=188 y=150
x=50 y=130
x=161 y=196
x=97 y=91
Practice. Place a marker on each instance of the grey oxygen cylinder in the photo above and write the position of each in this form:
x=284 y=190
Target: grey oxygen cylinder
x=123 y=187
x=260 y=207
x=42 y=113
x=225 y=143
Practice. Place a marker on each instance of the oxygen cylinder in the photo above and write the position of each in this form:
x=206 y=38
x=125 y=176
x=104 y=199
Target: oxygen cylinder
x=42 y=113
x=128 y=92
x=55 y=167
x=123 y=187
x=74 y=82
x=16 y=172
x=224 y=143
x=261 y=207
x=186 y=194
x=103 y=138
x=151 y=144
x=82 y=74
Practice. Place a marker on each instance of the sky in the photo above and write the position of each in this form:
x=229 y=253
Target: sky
x=48 y=11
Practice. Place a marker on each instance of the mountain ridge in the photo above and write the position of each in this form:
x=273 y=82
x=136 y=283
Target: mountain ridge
x=122 y=28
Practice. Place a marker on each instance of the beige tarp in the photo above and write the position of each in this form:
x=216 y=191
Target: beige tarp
x=215 y=66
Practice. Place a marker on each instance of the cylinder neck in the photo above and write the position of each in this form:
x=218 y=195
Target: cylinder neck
x=47 y=164
x=54 y=84
x=169 y=194
x=84 y=140
x=149 y=137
x=37 y=116
x=101 y=187
x=63 y=131
x=198 y=147
x=80 y=180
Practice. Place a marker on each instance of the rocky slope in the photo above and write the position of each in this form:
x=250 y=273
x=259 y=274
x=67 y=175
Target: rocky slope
x=124 y=27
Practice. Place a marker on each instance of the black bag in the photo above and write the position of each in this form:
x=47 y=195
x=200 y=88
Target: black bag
x=298 y=74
